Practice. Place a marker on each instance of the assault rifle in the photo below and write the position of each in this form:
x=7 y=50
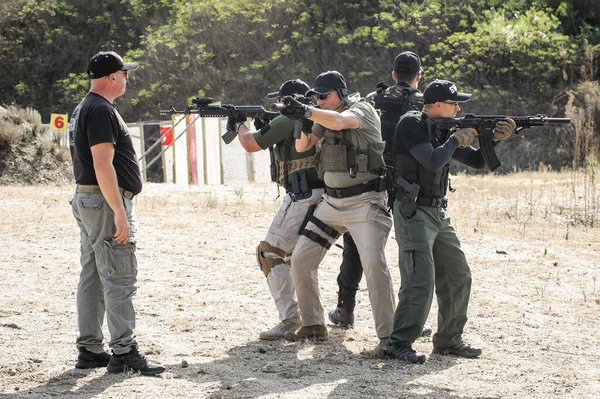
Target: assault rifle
x=204 y=107
x=485 y=124
x=298 y=125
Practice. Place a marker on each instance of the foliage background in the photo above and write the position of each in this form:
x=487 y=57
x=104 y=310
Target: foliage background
x=518 y=57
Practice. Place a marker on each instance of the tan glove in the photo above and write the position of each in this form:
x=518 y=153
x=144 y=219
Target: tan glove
x=465 y=136
x=504 y=129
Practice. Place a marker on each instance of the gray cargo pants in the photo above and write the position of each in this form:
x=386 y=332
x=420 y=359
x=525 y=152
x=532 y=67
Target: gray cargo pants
x=108 y=276
x=430 y=259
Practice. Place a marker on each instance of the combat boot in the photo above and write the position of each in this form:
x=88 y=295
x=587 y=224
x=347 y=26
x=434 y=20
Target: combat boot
x=380 y=349
x=463 y=350
x=90 y=360
x=316 y=333
x=342 y=318
x=133 y=361
x=406 y=354
x=280 y=329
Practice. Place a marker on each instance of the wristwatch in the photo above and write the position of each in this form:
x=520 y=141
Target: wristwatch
x=308 y=112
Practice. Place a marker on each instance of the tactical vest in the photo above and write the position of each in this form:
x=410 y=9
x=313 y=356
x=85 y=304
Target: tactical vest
x=338 y=154
x=433 y=185
x=291 y=173
x=392 y=108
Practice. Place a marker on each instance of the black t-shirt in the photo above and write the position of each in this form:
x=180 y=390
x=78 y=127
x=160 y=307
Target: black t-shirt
x=95 y=121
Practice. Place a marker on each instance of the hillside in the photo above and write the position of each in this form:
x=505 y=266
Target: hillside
x=27 y=154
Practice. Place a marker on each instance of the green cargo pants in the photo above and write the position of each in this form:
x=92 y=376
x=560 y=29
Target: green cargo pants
x=430 y=257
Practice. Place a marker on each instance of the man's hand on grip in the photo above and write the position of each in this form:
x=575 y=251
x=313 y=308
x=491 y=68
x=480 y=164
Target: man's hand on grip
x=235 y=118
x=465 y=136
x=294 y=109
x=259 y=123
x=307 y=125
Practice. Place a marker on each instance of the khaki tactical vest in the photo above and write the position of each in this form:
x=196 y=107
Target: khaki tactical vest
x=338 y=154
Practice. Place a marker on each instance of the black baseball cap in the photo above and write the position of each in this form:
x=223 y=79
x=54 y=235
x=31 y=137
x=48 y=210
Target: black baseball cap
x=407 y=63
x=106 y=62
x=443 y=90
x=290 y=87
x=326 y=82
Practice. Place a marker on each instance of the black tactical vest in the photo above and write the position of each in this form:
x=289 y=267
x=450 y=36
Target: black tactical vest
x=433 y=185
x=392 y=108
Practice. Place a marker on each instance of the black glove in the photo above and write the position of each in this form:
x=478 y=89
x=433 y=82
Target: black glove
x=235 y=118
x=259 y=123
x=294 y=109
x=307 y=125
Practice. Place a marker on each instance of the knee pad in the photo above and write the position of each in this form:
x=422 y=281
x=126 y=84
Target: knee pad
x=266 y=264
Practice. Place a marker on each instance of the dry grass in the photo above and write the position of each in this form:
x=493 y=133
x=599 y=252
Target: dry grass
x=202 y=300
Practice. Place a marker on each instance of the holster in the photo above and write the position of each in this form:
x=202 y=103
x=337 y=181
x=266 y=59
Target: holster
x=408 y=200
x=309 y=213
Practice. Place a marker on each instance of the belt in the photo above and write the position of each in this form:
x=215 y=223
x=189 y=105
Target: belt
x=373 y=185
x=96 y=190
x=441 y=202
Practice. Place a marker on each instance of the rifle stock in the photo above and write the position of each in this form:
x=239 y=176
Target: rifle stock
x=485 y=124
x=204 y=107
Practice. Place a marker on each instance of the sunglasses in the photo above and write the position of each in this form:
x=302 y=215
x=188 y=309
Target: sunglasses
x=321 y=97
x=454 y=103
x=124 y=73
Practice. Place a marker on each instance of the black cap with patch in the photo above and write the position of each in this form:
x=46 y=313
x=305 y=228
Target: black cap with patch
x=290 y=87
x=443 y=90
x=106 y=62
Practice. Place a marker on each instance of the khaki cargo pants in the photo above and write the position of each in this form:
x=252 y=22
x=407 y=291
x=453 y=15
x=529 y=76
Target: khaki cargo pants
x=283 y=234
x=366 y=218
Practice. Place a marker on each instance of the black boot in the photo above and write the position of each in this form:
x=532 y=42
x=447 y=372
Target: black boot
x=133 y=361
x=90 y=360
x=341 y=317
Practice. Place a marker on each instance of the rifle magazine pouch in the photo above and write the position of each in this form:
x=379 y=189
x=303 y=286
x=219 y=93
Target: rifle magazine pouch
x=333 y=158
x=361 y=161
x=319 y=167
x=408 y=200
x=376 y=161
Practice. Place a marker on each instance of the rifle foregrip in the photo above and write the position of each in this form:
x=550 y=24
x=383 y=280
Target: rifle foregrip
x=298 y=129
x=278 y=107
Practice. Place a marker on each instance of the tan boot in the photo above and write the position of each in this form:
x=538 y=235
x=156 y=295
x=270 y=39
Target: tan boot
x=378 y=352
x=280 y=329
x=317 y=333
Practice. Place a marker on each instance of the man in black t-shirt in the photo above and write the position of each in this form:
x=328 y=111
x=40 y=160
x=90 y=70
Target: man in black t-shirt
x=430 y=256
x=108 y=177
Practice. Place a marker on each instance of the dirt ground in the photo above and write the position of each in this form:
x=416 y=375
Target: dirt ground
x=201 y=302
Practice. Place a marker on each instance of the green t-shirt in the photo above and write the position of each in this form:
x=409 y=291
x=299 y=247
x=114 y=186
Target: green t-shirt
x=369 y=131
x=279 y=130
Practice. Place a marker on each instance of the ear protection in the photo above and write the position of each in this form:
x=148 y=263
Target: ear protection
x=342 y=93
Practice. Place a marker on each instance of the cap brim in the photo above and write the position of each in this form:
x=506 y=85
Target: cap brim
x=274 y=94
x=462 y=97
x=130 y=66
x=318 y=90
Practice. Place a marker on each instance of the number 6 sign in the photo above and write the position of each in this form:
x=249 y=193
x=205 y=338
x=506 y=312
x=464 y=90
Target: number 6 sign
x=58 y=122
